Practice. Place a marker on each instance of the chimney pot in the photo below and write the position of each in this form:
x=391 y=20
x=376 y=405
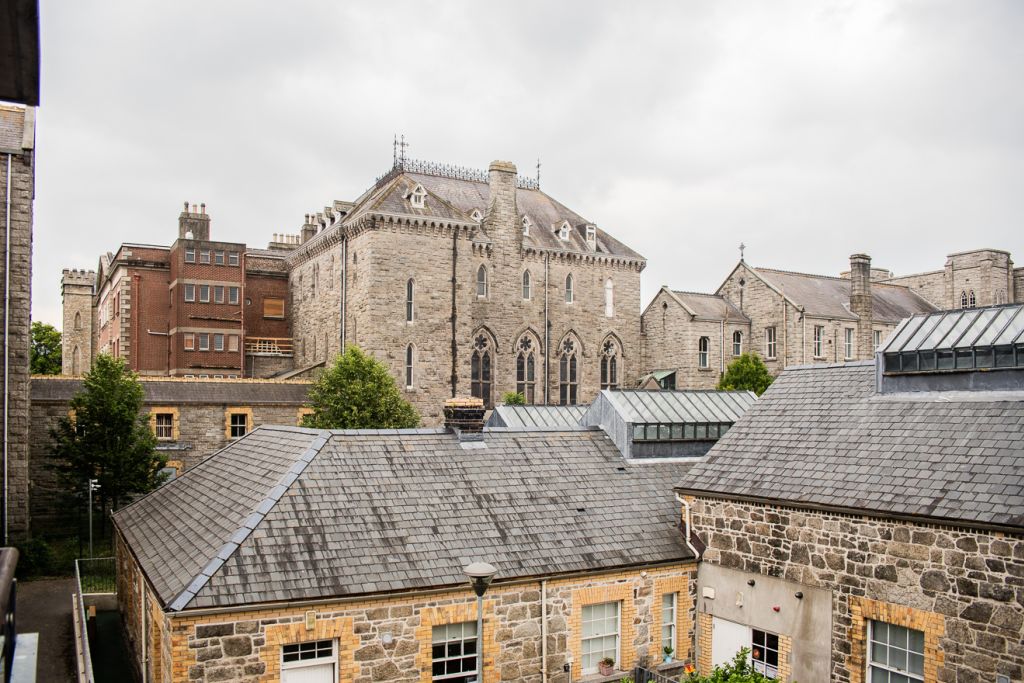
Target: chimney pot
x=202 y=208
x=186 y=206
x=465 y=418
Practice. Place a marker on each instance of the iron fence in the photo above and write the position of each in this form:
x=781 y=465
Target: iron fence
x=96 y=575
x=642 y=675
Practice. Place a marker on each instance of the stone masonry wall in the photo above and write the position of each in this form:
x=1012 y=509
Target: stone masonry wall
x=931 y=286
x=765 y=308
x=964 y=588
x=246 y=646
x=22 y=188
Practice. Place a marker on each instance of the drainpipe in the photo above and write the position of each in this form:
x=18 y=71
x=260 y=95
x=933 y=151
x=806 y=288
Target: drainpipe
x=241 y=315
x=544 y=631
x=7 y=327
x=145 y=650
x=454 y=341
x=721 y=370
x=547 y=336
x=686 y=525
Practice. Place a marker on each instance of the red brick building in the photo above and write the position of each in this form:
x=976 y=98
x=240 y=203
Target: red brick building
x=198 y=308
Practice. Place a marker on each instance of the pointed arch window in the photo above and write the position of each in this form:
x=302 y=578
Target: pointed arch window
x=963 y=299
x=410 y=362
x=78 y=320
x=569 y=289
x=526 y=369
x=410 y=291
x=737 y=343
x=972 y=302
x=481 y=281
x=702 y=352
x=609 y=365
x=568 y=382
x=527 y=285
x=481 y=370
x=609 y=298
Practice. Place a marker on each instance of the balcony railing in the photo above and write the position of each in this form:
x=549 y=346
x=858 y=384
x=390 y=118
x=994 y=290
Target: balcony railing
x=269 y=346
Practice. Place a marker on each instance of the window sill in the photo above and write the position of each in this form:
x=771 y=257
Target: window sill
x=703 y=369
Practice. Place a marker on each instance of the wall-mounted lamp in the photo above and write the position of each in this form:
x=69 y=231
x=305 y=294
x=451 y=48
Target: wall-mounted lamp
x=799 y=595
x=387 y=639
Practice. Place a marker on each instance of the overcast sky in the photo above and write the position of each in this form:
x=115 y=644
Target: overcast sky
x=807 y=130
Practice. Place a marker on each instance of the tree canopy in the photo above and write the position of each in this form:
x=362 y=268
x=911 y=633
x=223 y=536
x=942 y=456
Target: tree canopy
x=45 y=352
x=748 y=372
x=105 y=436
x=513 y=398
x=358 y=392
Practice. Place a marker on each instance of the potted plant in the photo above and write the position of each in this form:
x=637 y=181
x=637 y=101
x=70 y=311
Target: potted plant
x=606 y=666
x=668 y=653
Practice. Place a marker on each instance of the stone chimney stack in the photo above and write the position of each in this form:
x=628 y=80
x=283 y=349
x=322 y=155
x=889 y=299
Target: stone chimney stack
x=861 y=305
x=194 y=220
x=465 y=418
x=309 y=228
x=502 y=219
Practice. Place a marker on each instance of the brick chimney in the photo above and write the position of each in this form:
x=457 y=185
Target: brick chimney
x=194 y=220
x=465 y=418
x=502 y=219
x=860 y=303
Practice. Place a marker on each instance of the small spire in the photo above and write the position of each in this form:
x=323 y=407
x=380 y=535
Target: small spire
x=742 y=247
x=402 y=144
x=538 y=171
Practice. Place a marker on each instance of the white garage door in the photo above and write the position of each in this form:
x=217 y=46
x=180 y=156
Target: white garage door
x=727 y=637
x=311 y=662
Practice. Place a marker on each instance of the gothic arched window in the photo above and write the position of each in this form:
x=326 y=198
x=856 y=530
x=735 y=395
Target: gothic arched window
x=78 y=320
x=569 y=293
x=526 y=369
x=481 y=281
x=568 y=382
x=737 y=343
x=702 y=352
x=480 y=369
x=527 y=285
x=410 y=359
x=410 y=287
x=963 y=299
x=609 y=365
x=971 y=300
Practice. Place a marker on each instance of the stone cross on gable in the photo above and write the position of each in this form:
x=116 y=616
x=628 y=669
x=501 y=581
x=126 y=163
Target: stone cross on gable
x=742 y=247
x=398 y=150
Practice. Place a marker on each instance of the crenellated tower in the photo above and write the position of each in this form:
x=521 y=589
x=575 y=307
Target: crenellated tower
x=77 y=287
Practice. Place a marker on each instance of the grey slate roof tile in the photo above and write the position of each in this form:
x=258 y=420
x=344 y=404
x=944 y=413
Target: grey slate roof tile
x=821 y=435
x=182 y=391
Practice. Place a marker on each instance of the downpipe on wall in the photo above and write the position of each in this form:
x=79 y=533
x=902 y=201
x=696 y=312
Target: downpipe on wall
x=7 y=329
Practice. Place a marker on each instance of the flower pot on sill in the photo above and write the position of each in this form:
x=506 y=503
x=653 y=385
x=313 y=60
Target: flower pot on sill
x=605 y=669
x=668 y=659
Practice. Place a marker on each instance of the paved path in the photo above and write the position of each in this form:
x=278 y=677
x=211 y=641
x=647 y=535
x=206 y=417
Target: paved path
x=44 y=607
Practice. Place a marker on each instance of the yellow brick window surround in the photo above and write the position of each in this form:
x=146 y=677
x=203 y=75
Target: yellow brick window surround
x=454 y=614
x=705 y=629
x=596 y=595
x=230 y=413
x=159 y=429
x=680 y=585
x=338 y=629
x=865 y=610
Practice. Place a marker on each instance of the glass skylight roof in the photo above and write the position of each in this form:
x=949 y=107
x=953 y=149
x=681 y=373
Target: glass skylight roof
x=975 y=338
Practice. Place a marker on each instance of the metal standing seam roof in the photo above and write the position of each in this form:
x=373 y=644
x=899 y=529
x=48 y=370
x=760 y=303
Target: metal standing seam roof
x=287 y=514
x=537 y=416
x=680 y=406
x=965 y=328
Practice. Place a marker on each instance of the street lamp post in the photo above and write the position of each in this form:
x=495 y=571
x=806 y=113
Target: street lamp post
x=480 y=576
x=93 y=486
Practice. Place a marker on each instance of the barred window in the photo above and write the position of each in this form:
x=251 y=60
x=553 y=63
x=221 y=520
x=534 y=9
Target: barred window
x=164 y=426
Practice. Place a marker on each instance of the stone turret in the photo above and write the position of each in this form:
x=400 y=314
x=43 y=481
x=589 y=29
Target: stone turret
x=76 y=287
x=194 y=223
x=861 y=304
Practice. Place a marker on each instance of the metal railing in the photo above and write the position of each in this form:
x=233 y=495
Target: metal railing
x=271 y=346
x=83 y=655
x=642 y=675
x=96 y=575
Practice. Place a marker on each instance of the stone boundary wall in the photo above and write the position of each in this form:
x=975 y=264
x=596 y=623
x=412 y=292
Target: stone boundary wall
x=972 y=579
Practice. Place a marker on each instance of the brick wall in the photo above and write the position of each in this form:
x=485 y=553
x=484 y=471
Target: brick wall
x=964 y=588
x=246 y=644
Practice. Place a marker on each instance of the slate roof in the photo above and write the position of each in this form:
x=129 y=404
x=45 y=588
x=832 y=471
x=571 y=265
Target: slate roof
x=710 y=307
x=287 y=513
x=520 y=417
x=455 y=198
x=822 y=436
x=183 y=391
x=829 y=297
x=638 y=406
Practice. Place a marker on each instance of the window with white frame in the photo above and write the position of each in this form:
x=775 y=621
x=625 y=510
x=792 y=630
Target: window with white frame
x=218 y=258
x=972 y=301
x=481 y=281
x=204 y=293
x=764 y=653
x=895 y=653
x=563 y=232
x=218 y=294
x=737 y=343
x=232 y=258
x=204 y=256
x=239 y=424
x=320 y=656
x=592 y=236
x=190 y=256
x=702 y=352
x=600 y=637
x=569 y=293
x=848 y=343
x=876 y=338
x=218 y=342
x=527 y=285
x=164 y=424
x=669 y=601
x=819 y=337
x=769 y=342
x=526 y=369
x=189 y=341
x=453 y=652
x=190 y=293
x=418 y=197
x=609 y=298
x=963 y=299
x=204 y=341
x=233 y=295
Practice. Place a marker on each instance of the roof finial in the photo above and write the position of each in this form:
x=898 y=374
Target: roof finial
x=538 y=172
x=402 y=144
x=742 y=247
x=394 y=152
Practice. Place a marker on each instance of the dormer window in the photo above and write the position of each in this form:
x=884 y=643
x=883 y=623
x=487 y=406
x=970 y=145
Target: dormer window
x=592 y=236
x=526 y=225
x=563 y=232
x=417 y=197
x=476 y=215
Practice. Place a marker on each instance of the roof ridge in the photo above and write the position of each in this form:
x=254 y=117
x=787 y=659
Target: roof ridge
x=248 y=524
x=797 y=272
x=707 y=294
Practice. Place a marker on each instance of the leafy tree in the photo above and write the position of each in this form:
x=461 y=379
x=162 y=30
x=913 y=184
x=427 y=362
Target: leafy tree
x=45 y=352
x=748 y=372
x=739 y=670
x=105 y=436
x=358 y=392
x=513 y=398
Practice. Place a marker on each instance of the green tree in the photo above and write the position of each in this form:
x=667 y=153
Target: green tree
x=513 y=398
x=739 y=670
x=105 y=436
x=748 y=372
x=358 y=392
x=45 y=353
